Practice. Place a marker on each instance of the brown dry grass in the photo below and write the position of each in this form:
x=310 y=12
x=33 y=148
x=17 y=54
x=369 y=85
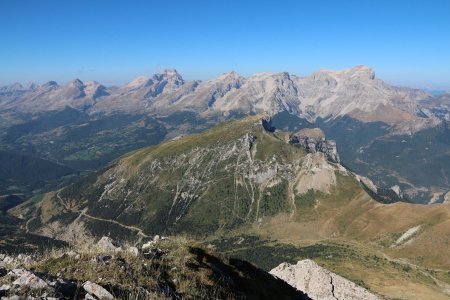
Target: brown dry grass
x=372 y=228
x=384 y=113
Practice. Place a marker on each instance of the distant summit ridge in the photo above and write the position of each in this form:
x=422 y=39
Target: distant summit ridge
x=324 y=94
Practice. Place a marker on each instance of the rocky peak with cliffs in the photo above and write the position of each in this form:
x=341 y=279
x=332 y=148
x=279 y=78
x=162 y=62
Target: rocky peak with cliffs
x=171 y=76
x=49 y=84
x=11 y=88
x=313 y=140
x=361 y=71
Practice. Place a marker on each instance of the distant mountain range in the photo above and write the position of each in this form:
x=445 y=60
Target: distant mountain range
x=324 y=94
x=394 y=135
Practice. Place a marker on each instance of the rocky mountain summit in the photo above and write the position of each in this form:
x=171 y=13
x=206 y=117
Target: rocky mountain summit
x=314 y=140
x=192 y=163
x=319 y=283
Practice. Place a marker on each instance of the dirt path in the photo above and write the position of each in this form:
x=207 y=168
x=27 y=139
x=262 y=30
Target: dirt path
x=84 y=214
x=140 y=232
x=26 y=224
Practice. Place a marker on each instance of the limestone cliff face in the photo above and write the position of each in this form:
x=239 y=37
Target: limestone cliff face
x=313 y=141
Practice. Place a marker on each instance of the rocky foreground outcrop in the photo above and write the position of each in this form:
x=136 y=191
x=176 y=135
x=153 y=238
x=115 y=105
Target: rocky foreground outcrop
x=162 y=268
x=319 y=283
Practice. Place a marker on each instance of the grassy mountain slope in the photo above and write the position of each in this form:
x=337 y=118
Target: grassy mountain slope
x=37 y=151
x=238 y=179
x=25 y=173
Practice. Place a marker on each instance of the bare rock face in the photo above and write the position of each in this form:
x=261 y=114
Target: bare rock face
x=367 y=182
x=108 y=244
x=447 y=198
x=314 y=141
x=30 y=280
x=319 y=283
x=97 y=290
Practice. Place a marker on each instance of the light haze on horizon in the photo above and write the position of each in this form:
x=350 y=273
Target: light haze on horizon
x=405 y=42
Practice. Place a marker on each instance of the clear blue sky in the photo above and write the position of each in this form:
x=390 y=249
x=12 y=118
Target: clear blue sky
x=406 y=42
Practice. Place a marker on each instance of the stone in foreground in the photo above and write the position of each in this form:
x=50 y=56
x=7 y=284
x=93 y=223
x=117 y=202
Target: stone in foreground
x=97 y=290
x=30 y=280
x=108 y=244
x=319 y=283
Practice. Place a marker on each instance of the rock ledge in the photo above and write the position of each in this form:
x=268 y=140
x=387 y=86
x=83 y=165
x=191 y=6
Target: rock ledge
x=319 y=283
